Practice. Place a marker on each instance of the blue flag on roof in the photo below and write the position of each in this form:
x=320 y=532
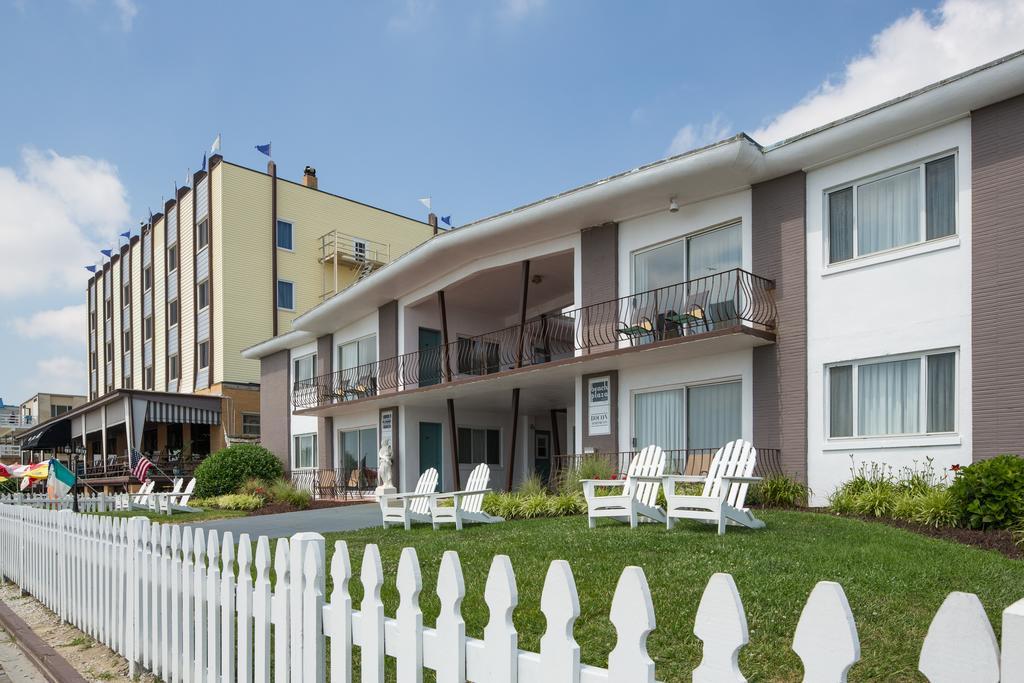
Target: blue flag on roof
x=107 y=252
x=447 y=220
x=127 y=234
x=264 y=149
x=91 y=269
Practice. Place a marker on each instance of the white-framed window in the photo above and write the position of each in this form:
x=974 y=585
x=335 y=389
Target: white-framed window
x=173 y=371
x=910 y=394
x=251 y=424
x=689 y=417
x=479 y=444
x=358 y=352
x=906 y=205
x=701 y=254
x=358 y=450
x=148 y=377
x=126 y=295
x=304 y=368
x=204 y=354
x=147 y=278
x=304 y=455
x=147 y=328
x=202 y=234
x=359 y=249
x=172 y=313
x=172 y=258
x=202 y=295
x=284 y=235
x=286 y=295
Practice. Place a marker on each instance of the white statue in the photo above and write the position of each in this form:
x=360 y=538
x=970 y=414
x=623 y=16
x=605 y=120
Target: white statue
x=384 y=466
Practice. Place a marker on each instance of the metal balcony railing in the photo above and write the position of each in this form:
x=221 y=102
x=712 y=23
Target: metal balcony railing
x=688 y=309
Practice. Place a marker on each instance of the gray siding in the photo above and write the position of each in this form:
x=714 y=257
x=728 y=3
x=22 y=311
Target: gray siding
x=274 y=412
x=147 y=241
x=203 y=325
x=172 y=343
x=202 y=199
x=202 y=265
x=997 y=289
x=172 y=286
x=202 y=377
x=172 y=225
x=147 y=354
x=780 y=370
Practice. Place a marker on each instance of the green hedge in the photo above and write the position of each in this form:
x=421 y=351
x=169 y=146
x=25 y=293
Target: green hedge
x=226 y=470
x=990 y=493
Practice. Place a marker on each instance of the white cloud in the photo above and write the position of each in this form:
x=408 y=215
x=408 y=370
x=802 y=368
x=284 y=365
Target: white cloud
x=57 y=214
x=60 y=375
x=692 y=136
x=66 y=325
x=909 y=54
x=127 y=10
x=515 y=10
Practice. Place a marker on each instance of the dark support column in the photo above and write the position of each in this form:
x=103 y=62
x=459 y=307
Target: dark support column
x=522 y=313
x=556 y=446
x=512 y=439
x=272 y=171
x=446 y=369
x=454 y=436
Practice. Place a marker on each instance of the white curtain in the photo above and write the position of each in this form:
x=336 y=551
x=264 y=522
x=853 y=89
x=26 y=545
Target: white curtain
x=715 y=252
x=940 y=197
x=888 y=397
x=941 y=392
x=658 y=419
x=840 y=225
x=840 y=385
x=888 y=212
x=658 y=267
x=714 y=415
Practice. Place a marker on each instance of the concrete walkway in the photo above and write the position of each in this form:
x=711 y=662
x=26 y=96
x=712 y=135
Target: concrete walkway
x=346 y=518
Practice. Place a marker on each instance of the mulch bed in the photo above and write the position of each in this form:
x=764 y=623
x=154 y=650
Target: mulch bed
x=999 y=540
x=278 y=508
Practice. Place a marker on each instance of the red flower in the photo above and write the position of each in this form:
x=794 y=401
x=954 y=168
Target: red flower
x=955 y=468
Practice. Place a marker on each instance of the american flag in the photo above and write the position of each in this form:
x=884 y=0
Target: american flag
x=139 y=464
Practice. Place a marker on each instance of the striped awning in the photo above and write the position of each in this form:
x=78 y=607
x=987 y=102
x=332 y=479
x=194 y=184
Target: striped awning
x=158 y=411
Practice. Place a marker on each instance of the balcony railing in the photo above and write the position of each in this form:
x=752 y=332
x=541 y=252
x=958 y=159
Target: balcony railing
x=696 y=307
x=693 y=461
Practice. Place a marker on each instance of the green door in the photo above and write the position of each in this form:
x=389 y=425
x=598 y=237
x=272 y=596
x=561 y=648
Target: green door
x=430 y=361
x=430 y=446
x=542 y=455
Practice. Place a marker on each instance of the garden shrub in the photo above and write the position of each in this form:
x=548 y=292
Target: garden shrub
x=593 y=467
x=990 y=493
x=876 y=501
x=225 y=471
x=283 y=491
x=937 y=508
x=255 y=487
x=231 y=501
x=778 y=490
x=532 y=486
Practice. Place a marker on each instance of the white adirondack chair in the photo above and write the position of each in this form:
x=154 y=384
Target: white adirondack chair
x=180 y=503
x=140 y=500
x=468 y=504
x=725 y=490
x=406 y=508
x=639 y=495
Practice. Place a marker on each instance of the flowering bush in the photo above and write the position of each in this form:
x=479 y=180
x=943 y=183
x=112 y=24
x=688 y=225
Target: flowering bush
x=990 y=493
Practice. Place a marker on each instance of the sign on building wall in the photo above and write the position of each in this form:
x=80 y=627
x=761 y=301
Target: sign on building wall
x=387 y=428
x=599 y=406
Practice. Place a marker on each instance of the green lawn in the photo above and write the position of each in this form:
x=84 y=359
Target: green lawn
x=177 y=517
x=894 y=580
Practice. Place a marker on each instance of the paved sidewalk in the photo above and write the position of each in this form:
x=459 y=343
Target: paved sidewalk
x=345 y=518
x=14 y=665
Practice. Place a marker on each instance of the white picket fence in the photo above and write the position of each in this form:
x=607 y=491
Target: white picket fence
x=169 y=599
x=87 y=502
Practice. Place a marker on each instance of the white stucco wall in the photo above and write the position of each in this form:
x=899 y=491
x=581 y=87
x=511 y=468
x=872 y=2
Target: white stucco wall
x=917 y=298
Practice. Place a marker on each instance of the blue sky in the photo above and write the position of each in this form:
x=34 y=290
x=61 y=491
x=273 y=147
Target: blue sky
x=481 y=105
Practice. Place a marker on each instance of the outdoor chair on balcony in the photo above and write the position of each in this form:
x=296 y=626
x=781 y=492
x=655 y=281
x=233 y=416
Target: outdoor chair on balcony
x=467 y=506
x=406 y=508
x=639 y=495
x=644 y=328
x=725 y=490
x=326 y=484
x=694 y=314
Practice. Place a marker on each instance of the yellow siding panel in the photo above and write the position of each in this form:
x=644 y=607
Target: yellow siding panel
x=115 y=292
x=216 y=271
x=137 y=350
x=243 y=264
x=187 y=295
x=159 y=306
x=101 y=350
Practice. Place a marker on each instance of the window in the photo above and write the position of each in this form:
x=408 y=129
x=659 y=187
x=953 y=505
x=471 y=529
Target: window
x=147 y=327
x=126 y=294
x=109 y=351
x=126 y=341
x=173 y=370
x=477 y=357
x=703 y=254
x=175 y=437
x=286 y=295
x=204 y=354
x=888 y=212
x=172 y=313
x=108 y=308
x=359 y=249
x=909 y=395
x=251 y=424
x=147 y=278
x=172 y=258
x=92 y=319
x=305 y=368
x=202 y=234
x=357 y=353
x=203 y=294
x=479 y=445
x=304 y=456
x=284 y=235
x=147 y=377
x=359 y=375
x=359 y=453
x=703 y=416
x=56 y=410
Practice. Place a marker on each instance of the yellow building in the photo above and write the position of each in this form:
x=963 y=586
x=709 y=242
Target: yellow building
x=228 y=262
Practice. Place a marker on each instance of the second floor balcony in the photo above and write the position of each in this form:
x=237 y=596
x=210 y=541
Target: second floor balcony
x=730 y=302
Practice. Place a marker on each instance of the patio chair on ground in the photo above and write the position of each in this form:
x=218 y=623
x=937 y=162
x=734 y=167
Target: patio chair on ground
x=725 y=490
x=180 y=503
x=326 y=484
x=406 y=508
x=467 y=505
x=639 y=495
x=140 y=499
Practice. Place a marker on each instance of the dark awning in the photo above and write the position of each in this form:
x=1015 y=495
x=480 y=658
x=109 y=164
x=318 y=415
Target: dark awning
x=53 y=434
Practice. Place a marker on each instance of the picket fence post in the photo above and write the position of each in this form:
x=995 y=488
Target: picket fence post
x=227 y=607
x=338 y=616
x=312 y=611
x=501 y=640
x=281 y=611
x=244 y=605
x=261 y=613
x=560 y=604
x=960 y=645
x=371 y=617
x=409 y=618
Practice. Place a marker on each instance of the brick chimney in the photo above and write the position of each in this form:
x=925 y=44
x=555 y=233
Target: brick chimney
x=309 y=177
x=432 y=219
